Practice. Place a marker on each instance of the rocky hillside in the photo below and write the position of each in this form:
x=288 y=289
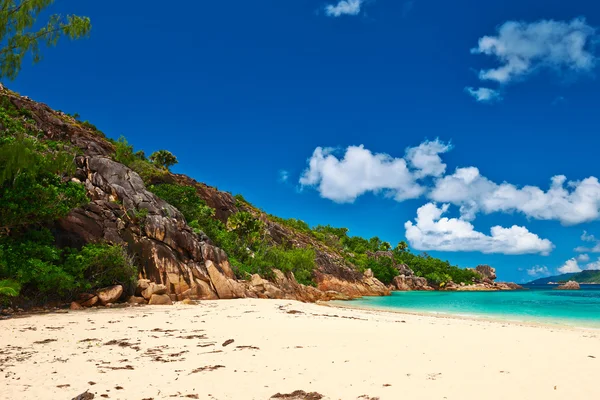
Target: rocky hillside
x=122 y=211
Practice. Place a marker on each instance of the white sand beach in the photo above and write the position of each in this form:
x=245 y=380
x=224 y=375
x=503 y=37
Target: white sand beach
x=281 y=346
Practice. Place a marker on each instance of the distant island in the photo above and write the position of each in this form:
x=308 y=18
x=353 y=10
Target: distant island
x=589 y=277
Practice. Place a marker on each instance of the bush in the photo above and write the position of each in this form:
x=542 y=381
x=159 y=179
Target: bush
x=101 y=265
x=9 y=288
x=32 y=190
x=184 y=198
x=32 y=261
x=299 y=261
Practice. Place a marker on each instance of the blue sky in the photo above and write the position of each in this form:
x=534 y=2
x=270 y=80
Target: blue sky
x=243 y=90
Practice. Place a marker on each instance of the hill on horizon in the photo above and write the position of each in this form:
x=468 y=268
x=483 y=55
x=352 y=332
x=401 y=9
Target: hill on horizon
x=590 y=277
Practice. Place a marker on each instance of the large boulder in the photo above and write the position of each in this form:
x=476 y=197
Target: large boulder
x=225 y=287
x=136 y=300
x=408 y=283
x=486 y=272
x=142 y=284
x=110 y=294
x=570 y=285
x=152 y=289
x=404 y=269
x=160 y=300
x=87 y=299
x=364 y=286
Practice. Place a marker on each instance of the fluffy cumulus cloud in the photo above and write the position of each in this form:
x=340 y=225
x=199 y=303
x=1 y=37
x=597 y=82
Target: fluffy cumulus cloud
x=484 y=95
x=360 y=171
x=426 y=159
x=344 y=7
x=568 y=202
x=522 y=48
x=573 y=265
x=422 y=173
x=570 y=266
x=538 y=271
x=431 y=231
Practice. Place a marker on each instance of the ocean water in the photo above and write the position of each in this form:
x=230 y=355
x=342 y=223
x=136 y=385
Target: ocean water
x=539 y=304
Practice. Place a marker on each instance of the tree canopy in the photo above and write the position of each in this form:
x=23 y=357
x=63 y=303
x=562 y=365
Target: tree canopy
x=163 y=158
x=18 y=37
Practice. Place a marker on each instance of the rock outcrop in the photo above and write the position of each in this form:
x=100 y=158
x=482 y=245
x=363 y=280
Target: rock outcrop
x=570 y=285
x=487 y=273
x=405 y=283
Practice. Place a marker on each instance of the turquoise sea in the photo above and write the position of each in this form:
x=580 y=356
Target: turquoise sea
x=539 y=304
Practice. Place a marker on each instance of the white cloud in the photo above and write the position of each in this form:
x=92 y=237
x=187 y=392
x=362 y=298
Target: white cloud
x=360 y=171
x=431 y=231
x=426 y=158
x=587 y=237
x=570 y=266
x=484 y=95
x=344 y=7
x=593 y=265
x=283 y=175
x=538 y=271
x=569 y=202
x=594 y=248
x=522 y=48
x=583 y=258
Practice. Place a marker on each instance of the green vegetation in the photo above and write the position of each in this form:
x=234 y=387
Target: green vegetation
x=32 y=190
x=137 y=161
x=9 y=288
x=163 y=158
x=19 y=38
x=436 y=271
x=33 y=262
x=587 y=276
x=35 y=190
x=361 y=252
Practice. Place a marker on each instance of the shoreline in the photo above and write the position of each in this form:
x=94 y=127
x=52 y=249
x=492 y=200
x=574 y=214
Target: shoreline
x=449 y=315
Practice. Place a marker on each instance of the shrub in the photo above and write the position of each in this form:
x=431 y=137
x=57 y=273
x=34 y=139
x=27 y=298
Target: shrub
x=250 y=229
x=32 y=261
x=32 y=190
x=184 y=198
x=149 y=172
x=299 y=261
x=9 y=288
x=101 y=265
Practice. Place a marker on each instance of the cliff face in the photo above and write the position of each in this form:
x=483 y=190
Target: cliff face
x=122 y=211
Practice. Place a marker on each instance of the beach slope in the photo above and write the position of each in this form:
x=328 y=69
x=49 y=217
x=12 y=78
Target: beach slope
x=255 y=349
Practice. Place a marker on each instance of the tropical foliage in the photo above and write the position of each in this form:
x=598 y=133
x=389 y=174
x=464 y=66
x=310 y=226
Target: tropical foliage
x=163 y=158
x=22 y=34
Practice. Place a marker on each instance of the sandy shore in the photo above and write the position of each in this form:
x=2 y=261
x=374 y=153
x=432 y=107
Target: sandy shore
x=283 y=346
